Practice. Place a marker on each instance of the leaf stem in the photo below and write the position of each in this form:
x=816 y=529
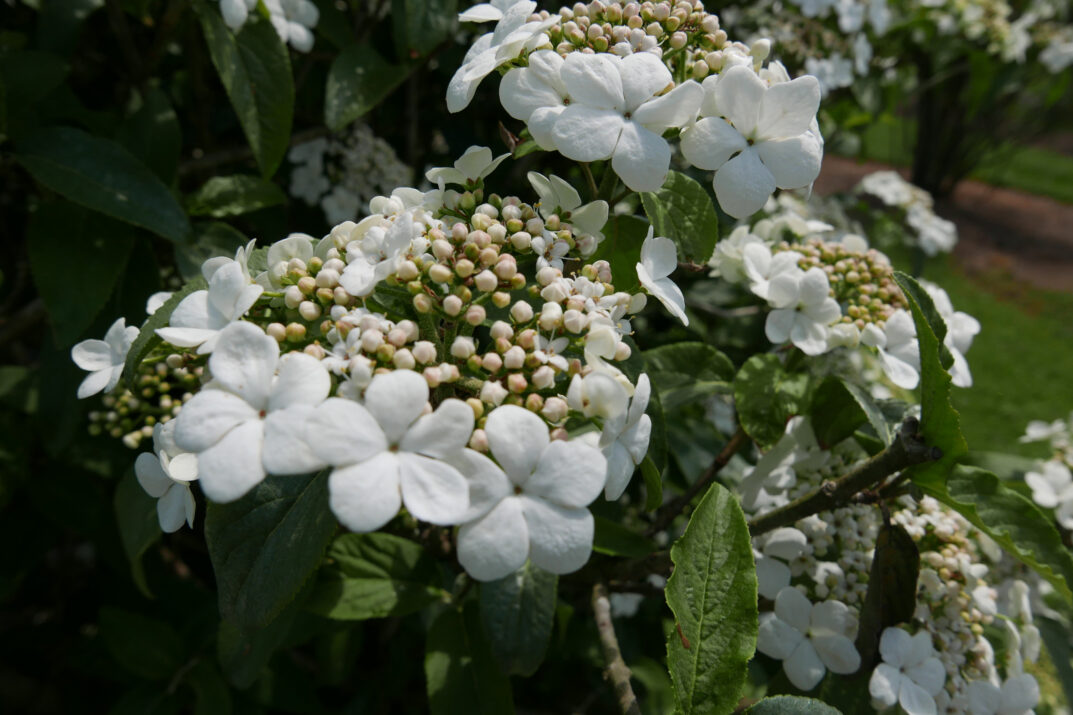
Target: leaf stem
x=587 y=171
x=617 y=671
x=673 y=508
x=906 y=450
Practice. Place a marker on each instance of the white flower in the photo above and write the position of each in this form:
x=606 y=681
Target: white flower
x=775 y=471
x=470 y=168
x=104 y=358
x=513 y=35
x=910 y=674
x=899 y=351
x=295 y=246
x=935 y=235
x=803 y=310
x=293 y=20
x=248 y=420
x=761 y=267
x=1052 y=488
x=597 y=395
x=728 y=258
x=199 y=318
x=487 y=12
x=624 y=440
x=1017 y=696
x=659 y=259
x=166 y=477
x=862 y=54
x=533 y=505
x=549 y=352
x=536 y=95
x=832 y=72
x=235 y=12
x=156 y=300
x=376 y=255
x=615 y=114
x=387 y=453
x=961 y=328
x=560 y=198
x=809 y=638
x=756 y=138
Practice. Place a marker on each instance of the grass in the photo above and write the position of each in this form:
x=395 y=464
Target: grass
x=1025 y=168
x=1022 y=360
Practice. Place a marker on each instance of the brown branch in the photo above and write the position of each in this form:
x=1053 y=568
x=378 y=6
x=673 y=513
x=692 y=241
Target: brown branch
x=906 y=450
x=671 y=509
x=617 y=670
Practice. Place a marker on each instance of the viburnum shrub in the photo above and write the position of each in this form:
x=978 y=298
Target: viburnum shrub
x=464 y=408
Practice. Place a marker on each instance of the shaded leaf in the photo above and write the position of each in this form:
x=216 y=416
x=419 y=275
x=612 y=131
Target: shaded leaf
x=614 y=539
x=359 y=79
x=211 y=695
x=153 y=135
x=139 y=526
x=766 y=396
x=621 y=247
x=684 y=372
x=840 y=407
x=712 y=593
x=146 y=647
x=653 y=484
x=223 y=196
x=460 y=670
x=517 y=612
x=420 y=25
x=791 y=705
x=892 y=590
x=682 y=211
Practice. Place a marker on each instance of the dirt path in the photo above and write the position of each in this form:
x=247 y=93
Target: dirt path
x=1030 y=237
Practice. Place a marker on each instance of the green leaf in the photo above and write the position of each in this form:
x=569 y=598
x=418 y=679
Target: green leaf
x=420 y=25
x=712 y=593
x=360 y=78
x=76 y=258
x=153 y=135
x=28 y=76
x=682 y=211
x=147 y=338
x=146 y=647
x=211 y=695
x=684 y=372
x=653 y=484
x=214 y=238
x=1011 y=519
x=266 y=545
x=791 y=705
x=766 y=396
x=892 y=589
x=460 y=670
x=614 y=539
x=139 y=526
x=840 y=407
x=101 y=175
x=658 y=695
x=233 y=195
x=375 y=576
x=256 y=72
x=621 y=247
x=244 y=653
x=1056 y=638
x=517 y=612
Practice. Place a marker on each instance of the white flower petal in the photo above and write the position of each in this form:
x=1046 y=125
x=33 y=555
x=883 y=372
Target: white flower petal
x=487 y=483
x=560 y=539
x=738 y=95
x=778 y=325
x=151 y=475
x=743 y=185
x=885 y=683
x=396 y=400
x=642 y=158
x=794 y=162
x=794 y=608
x=594 y=79
x=496 y=544
x=772 y=576
x=171 y=508
x=788 y=108
x=445 y=431
x=570 y=474
x=432 y=490
x=232 y=466
x=366 y=496
x=776 y=638
x=208 y=417
x=343 y=432
x=914 y=700
x=929 y=675
x=92 y=355
x=522 y=92
x=804 y=668
x=585 y=133
x=244 y=362
x=643 y=75
x=620 y=468
x=95 y=382
x=894 y=645
x=517 y=438
x=837 y=653
x=302 y=380
x=286 y=449
x=674 y=109
x=711 y=142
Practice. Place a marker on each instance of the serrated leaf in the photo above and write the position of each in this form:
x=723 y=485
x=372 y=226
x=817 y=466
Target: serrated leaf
x=139 y=526
x=76 y=258
x=267 y=544
x=359 y=79
x=682 y=211
x=766 y=396
x=235 y=195
x=375 y=576
x=684 y=372
x=517 y=612
x=460 y=670
x=146 y=647
x=147 y=338
x=621 y=247
x=712 y=593
x=840 y=407
x=614 y=539
x=791 y=705
x=1011 y=519
x=103 y=176
x=255 y=69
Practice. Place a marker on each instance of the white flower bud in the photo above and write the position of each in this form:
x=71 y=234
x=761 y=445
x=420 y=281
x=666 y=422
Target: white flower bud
x=360 y=370
x=535 y=226
x=327 y=278
x=475 y=315
x=404 y=359
x=408 y=271
x=546 y=275
x=622 y=351
x=498 y=233
x=555 y=408
x=502 y=329
x=479 y=440
x=521 y=240
x=555 y=292
x=521 y=312
x=492 y=362
x=543 y=377
x=506 y=267
x=514 y=358
x=551 y=316
x=486 y=281
x=575 y=321
x=493 y=393
x=432 y=376
x=371 y=340
x=424 y=352
x=440 y=273
x=292 y=297
x=309 y=310
x=314 y=350
x=452 y=305
x=463 y=347
x=760 y=49
x=517 y=383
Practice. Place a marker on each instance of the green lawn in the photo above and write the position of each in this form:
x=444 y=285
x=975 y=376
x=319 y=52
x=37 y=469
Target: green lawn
x=1026 y=168
x=1022 y=360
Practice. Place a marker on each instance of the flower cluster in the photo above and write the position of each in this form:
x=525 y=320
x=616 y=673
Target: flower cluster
x=931 y=233
x=814 y=576
x=342 y=173
x=1052 y=481
x=294 y=20
x=429 y=356
x=611 y=82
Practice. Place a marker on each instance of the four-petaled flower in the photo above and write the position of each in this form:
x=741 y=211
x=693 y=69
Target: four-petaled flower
x=166 y=477
x=470 y=168
x=803 y=310
x=199 y=318
x=910 y=674
x=624 y=440
x=104 y=358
